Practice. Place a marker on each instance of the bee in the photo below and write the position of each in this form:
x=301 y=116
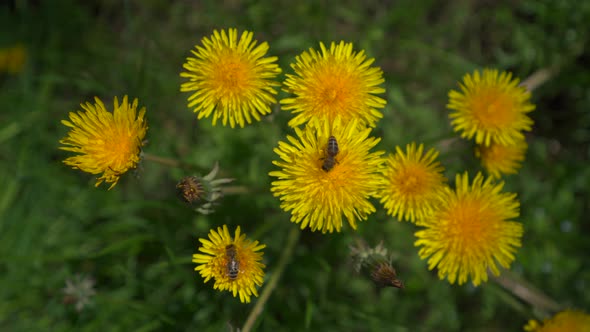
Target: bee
x=331 y=152
x=233 y=264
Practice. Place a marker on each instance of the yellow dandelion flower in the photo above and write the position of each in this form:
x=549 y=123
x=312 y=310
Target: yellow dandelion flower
x=107 y=143
x=565 y=321
x=470 y=231
x=232 y=79
x=318 y=187
x=12 y=59
x=413 y=183
x=500 y=159
x=334 y=83
x=491 y=107
x=234 y=264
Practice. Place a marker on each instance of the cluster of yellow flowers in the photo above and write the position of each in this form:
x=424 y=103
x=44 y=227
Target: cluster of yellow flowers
x=335 y=98
x=493 y=108
x=326 y=170
x=466 y=231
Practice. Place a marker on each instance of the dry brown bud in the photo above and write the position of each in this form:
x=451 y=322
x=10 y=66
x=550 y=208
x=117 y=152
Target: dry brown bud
x=384 y=275
x=190 y=189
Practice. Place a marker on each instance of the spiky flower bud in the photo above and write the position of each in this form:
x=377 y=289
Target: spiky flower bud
x=202 y=191
x=376 y=263
x=362 y=255
x=190 y=189
x=384 y=275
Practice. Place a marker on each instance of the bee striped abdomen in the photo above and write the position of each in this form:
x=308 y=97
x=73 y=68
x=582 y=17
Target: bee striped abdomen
x=233 y=263
x=332 y=148
x=331 y=152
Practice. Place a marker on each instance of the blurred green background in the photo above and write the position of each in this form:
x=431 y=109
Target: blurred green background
x=136 y=241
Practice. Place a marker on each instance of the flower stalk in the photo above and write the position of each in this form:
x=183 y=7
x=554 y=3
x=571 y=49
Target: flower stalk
x=272 y=284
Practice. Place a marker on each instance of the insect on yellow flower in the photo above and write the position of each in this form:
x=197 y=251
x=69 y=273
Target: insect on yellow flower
x=471 y=231
x=492 y=107
x=231 y=78
x=234 y=263
x=107 y=143
x=414 y=183
x=318 y=196
x=336 y=82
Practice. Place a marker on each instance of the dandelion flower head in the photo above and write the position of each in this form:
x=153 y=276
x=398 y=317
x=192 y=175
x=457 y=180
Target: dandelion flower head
x=335 y=82
x=500 y=159
x=105 y=142
x=491 y=107
x=564 y=321
x=470 y=231
x=413 y=183
x=231 y=78
x=220 y=251
x=318 y=197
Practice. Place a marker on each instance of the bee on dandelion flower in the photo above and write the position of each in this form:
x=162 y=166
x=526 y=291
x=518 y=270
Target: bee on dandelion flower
x=320 y=196
x=331 y=152
x=233 y=263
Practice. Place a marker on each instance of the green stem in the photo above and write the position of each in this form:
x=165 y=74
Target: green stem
x=526 y=292
x=440 y=142
x=235 y=190
x=539 y=77
x=285 y=257
x=170 y=162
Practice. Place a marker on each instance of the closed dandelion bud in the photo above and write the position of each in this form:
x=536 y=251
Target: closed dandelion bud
x=204 y=192
x=375 y=263
x=190 y=189
x=363 y=256
x=384 y=275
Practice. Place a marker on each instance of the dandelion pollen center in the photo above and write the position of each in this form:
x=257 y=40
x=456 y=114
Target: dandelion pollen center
x=231 y=75
x=493 y=109
x=467 y=226
x=336 y=91
x=411 y=181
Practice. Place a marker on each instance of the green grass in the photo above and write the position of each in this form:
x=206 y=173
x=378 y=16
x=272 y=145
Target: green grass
x=136 y=240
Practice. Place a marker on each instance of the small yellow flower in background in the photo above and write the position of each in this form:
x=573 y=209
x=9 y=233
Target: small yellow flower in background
x=491 y=107
x=500 y=159
x=12 y=59
x=234 y=264
x=107 y=143
x=232 y=79
x=413 y=183
x=470 y=231
x=565 y=321
x=318 y=196
x=334 y=83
